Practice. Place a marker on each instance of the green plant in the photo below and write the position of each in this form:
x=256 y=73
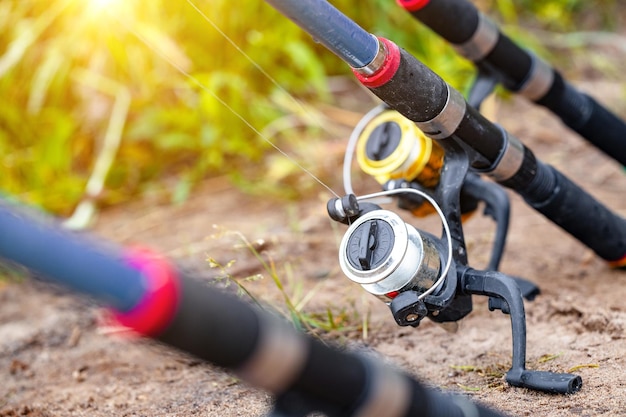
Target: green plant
x=561 y=15
x=12 y=273
x=294 y=300
x=59 y=59
x=56 y=115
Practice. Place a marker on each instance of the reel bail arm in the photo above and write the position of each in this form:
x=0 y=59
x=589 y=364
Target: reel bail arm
x=473 y=191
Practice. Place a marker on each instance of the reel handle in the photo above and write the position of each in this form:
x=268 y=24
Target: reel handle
x=551 y=382
x=507 y=291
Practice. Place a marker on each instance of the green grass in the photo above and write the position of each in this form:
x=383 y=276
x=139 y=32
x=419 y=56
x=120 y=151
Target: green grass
x=66 y=67
x=289 y=297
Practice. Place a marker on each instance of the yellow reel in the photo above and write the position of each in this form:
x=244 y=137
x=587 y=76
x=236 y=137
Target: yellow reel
x=393 y=147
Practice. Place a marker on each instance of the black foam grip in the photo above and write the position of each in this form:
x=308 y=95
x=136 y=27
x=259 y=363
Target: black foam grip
x=420 y=95
x=577 y=212
x=587 y=117
x=212 y=326
x=578 y=111
x=414 y=90
x=455 y=21
x=224 y=330
x=483 y=136
x=334 y=377
x=512 y=62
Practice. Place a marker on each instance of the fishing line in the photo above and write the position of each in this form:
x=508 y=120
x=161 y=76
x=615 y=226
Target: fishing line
x=223 y=103
x=266 y=74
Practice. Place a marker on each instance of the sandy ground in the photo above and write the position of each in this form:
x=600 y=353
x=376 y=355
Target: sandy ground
x=55 y=360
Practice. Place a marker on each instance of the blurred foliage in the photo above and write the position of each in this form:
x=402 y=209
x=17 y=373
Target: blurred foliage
x=62 y=62
x=558 y=15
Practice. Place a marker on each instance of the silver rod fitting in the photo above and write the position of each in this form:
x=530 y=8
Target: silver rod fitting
x=539 y=81
x=511 y=160
x=482 y=41
x=448 y=120
x=377 y=63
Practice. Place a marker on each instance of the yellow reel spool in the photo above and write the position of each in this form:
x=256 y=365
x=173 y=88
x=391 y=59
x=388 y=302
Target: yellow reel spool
x=392 y=147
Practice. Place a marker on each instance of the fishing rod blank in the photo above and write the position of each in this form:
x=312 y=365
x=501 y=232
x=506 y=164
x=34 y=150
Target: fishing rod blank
x=335 y=31
x=153 y=297
x=478 y=39
x=415 y=91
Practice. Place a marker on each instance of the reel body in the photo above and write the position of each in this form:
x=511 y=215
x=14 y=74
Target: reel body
x=397 y=154
x=419 y=275
x=388 y=256
x=415 y=274
x=392 y=147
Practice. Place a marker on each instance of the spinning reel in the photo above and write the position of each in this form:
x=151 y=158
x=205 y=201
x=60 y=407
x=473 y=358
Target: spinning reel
x=419 y=275
x=397 y=154
x=467 y=139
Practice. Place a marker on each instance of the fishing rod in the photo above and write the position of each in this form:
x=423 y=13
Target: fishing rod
x=419 y=275
x=406 y=85
x=152 y=296
x=501 y=60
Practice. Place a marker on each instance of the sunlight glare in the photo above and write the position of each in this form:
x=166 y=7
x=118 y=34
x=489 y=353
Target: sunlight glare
x=99 y=5
x=96 y=9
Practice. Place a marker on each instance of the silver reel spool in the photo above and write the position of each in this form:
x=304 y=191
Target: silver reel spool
x=387 y=256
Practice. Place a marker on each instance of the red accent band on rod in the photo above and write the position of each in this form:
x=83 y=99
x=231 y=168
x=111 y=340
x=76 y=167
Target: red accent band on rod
x=387 y=70
x=412 y=5
x=157 y=308
x=620 y=263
